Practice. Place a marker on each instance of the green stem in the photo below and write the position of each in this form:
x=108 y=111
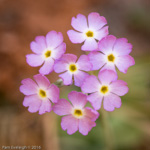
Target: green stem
x=107 y=130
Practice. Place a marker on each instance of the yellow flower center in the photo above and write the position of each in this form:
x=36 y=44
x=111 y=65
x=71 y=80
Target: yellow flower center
x=104 y=89
x=42 y=93
x=73 y=67
x=89 y=34
x=111 y=58
x=78 y=113
x=47 y=53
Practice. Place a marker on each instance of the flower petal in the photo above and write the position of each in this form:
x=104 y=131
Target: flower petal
x=111 y=101
x=29 y=87
x=75 y=37
x=107 y=76
x=96 y=100
x=59 y=51
x=101 y=33
x=122 y=47
x=90 y=113
x=53 y=93
x=41 y=41
x=36 y=48
x=85 y=125
x=70 y=124
x=106 y=44
x=84 y=63
x=79 y=23
x=77 y=99
x=60 y=66
x=47 y=67
x=54 y=39
x=97 y=59
x=41 y=80
x=109 y=66
x=119 y=87
x=69 y=58
x=66 y=77
x=62 y=107
x=90 y=84
x=34 y=60
x=89 y=45
x=124 y=62
x=45 y=107
x=96 y=21
x=80 y=77
x=33 y=101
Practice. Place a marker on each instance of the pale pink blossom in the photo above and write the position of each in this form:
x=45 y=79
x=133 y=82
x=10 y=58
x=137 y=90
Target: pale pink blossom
x=46 y=51
x=72 y=69
x=114 y=52
x=106 y=88
x=76 y=115
x=88 y=30
x=39 y=94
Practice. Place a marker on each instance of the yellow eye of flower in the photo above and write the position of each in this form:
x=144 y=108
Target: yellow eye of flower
x=104 y=89
x=73 y=67
x=47 y=53
x=78 y=113
x=42 y=93
x=89 y=34
x=111 y=58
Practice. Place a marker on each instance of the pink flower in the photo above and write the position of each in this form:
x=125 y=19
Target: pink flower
x=71 y=68
x=107 y=88
x=39 y=94
x=88 y=31
x=76 y=116
x=115 y=52
x=47 y=50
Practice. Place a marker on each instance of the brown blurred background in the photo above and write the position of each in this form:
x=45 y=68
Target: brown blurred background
x=127 y=128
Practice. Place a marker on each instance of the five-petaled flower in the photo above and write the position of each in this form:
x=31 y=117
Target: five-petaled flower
x=115 y=52
x=76 y=116
x=107 y=88
x=39 y=94
x=47 y=50
x=71 y=68
x=89 y=31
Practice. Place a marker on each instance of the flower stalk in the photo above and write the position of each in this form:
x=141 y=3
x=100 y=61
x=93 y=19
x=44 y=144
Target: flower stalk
x=107 y=128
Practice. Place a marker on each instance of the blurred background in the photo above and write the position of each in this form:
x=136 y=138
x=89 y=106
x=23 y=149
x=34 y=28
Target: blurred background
x=127 y=128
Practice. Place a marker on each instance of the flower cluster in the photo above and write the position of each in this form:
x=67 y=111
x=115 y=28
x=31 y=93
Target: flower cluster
x=105 y=53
